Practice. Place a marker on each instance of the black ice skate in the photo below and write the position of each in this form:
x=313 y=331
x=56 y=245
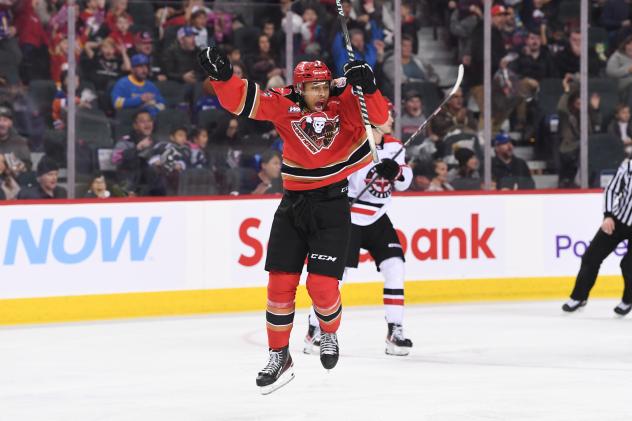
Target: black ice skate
x=329 y=350
x=277 y=373
x=396 y=343
x=572 y=305
x=312 y=340
x=623 y=308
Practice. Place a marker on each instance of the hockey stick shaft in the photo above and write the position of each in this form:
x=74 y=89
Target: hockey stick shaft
x=358 y=89
x=420 y=129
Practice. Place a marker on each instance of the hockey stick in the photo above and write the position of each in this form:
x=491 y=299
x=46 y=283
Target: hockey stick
x=447 y=98
x=358 y=89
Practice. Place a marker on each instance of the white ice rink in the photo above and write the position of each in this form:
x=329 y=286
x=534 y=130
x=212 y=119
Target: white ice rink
x=507 y=361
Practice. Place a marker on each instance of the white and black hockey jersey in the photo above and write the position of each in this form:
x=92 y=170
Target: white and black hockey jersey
x=374 y=202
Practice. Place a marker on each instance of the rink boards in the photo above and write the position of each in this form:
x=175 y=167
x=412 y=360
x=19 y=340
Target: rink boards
x=85 y=260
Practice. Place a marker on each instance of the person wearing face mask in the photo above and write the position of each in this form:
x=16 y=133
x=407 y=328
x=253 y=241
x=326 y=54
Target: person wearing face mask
x=615 y=228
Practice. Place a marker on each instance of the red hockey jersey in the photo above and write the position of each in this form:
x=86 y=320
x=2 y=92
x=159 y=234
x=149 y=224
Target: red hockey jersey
x=319 y=148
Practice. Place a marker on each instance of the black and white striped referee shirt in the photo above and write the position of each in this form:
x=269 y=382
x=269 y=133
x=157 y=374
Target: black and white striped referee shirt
x=618 y=194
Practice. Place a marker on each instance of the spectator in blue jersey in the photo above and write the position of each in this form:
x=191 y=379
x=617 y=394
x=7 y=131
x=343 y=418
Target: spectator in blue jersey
x=367 y=51
x=135 y=91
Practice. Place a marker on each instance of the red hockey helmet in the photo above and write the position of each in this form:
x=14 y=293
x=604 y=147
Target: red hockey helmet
x=310 y=71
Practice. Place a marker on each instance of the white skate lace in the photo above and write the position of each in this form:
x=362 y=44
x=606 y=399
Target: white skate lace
x=275 y=362
x=328 y=343
x=398 y=333
x=624 y=306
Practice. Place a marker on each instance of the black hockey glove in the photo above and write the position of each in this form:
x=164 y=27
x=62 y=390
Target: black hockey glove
x=359 y=73
x=388 y=168
x=215 y=63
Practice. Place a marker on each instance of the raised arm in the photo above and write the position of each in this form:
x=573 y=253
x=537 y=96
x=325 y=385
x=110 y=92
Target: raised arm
x=360 y=73
x=240 y=96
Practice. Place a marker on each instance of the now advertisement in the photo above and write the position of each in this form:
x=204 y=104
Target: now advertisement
x=75 y=249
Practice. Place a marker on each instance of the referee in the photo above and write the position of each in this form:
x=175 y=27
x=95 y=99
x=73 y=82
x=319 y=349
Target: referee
x=616 y=227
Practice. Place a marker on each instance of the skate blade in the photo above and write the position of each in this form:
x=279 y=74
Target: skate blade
x=577 y=310
x=284 y=379
x=400 y=351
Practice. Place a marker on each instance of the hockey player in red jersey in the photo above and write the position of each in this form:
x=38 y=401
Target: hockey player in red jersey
x=324 y=141
x=372 y=230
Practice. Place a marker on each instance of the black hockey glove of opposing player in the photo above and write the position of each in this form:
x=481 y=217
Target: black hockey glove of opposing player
x=388 y=168
x=215 y=63
x=359 y=73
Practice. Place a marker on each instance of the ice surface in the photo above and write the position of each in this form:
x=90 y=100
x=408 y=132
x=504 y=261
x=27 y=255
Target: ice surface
x=498 y=361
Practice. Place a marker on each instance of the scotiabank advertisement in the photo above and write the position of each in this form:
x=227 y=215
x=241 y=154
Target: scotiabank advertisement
x=93 y=248
x=467 y=237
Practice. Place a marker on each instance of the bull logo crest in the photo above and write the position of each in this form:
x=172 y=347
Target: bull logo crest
x=317 y=131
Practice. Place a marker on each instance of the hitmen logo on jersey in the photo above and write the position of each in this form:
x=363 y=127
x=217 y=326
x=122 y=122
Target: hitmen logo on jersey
x=317 y=131
x=382 y=188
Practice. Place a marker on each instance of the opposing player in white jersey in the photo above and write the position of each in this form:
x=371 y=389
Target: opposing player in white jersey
x=372 y=230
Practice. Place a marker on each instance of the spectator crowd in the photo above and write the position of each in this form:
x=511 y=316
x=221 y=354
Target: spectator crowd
x=145 y=126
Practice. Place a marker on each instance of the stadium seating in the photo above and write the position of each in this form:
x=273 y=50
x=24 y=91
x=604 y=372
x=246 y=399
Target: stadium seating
x=172 y=91
x=196 y=182
x=607 y=89
x=605 y=153
x=143 y=14
x=209 y=119
x=93 y=127
x=42 y=93
x=122 y=124
x=166 y=120
x=569 y=10
x=550 y=92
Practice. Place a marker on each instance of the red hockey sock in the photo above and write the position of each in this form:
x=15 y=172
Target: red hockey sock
x=280 y=310
x=326 y=298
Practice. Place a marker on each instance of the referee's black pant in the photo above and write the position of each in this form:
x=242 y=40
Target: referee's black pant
x=600 y=247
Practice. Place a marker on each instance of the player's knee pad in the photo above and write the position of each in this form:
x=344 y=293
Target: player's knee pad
x=322 y=288
x=282 y=286
x=326 y=298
